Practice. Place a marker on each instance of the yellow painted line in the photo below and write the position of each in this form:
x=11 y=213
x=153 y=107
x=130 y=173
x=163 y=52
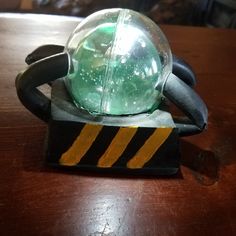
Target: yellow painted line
x=152 y=144
x=117 y=147
x=81 y=145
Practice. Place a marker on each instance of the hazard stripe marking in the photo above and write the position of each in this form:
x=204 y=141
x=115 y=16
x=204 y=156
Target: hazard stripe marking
x=152 y=144
x=117 y=147
x=81 y=145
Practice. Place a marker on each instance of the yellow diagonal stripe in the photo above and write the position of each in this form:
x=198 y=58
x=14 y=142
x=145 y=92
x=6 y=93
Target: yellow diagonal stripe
x=81 y=145
x=149 y=148
x=117 y=147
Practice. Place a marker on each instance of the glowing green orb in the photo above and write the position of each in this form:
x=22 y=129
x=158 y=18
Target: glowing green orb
x=117 y=57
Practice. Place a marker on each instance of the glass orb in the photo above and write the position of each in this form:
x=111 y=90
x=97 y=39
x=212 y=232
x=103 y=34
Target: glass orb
x=117 y=58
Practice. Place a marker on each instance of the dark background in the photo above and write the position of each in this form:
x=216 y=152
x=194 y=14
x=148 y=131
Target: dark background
x=210 y=13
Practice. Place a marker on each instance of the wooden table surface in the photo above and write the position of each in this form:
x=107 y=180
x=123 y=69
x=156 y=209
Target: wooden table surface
x=38 y=200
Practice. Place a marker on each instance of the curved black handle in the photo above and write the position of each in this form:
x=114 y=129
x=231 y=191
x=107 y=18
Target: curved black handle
x=43 y=52
x=38 y=73
x=176 y=88
x=188 y=101
x=180 y=68
x=183 y=71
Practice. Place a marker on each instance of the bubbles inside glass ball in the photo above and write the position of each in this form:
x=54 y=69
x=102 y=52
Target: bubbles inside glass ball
x=117 y=58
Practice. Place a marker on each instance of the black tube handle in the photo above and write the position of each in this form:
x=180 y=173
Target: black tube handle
x=43 y=52
x=183 y=71
x=180 y=68
x=189 y=102
x=176 y=88
x=38 y=73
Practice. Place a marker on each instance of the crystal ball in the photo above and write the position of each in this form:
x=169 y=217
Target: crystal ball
x=116 y=59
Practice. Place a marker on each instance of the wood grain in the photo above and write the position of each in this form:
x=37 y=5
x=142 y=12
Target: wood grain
x=38 y=200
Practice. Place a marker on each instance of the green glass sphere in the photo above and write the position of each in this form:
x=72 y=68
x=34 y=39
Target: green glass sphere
x=117 y=58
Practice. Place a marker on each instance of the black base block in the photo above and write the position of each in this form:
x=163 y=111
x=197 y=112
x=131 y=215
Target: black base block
x=141 y=144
